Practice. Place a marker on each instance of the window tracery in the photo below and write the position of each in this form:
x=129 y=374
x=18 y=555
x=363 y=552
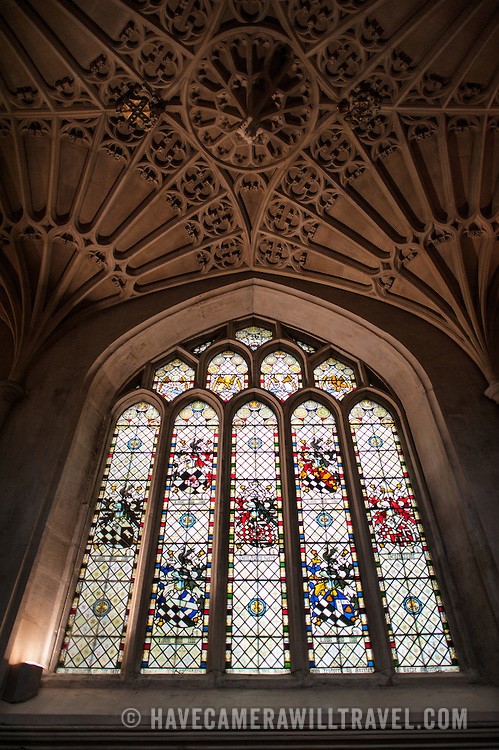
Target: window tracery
x=173 y=379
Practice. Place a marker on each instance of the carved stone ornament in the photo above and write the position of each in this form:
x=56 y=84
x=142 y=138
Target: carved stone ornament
x=251 y=101
x=185 y=20
x=137 y=108
x=146 y=143
x=278 y=254
x=362 y=106
x=222 y=255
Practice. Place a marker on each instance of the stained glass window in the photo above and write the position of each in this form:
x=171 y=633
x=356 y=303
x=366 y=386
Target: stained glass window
x=227 y=374
x=254 y=336
x=328 y=591
x=97 y=625
x=257 y=616
x=280 y=374
x=335 y=377
x=177 y=628
x=173 y=379
x=336 y=619
x=419 y=633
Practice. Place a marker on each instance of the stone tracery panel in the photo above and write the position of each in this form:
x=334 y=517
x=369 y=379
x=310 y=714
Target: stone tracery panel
x=251 y=100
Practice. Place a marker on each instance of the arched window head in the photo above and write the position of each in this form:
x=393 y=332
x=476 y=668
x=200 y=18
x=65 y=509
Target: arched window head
x=281 y=374
x=419 y=634
x=177 y=626
x=173 y=379
x=97 y=626
x=227 y=374
x=334 y=377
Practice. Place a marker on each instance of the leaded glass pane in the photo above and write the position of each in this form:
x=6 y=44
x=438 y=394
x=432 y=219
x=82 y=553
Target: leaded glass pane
x=280 y=374
x=418 y=628
x=177 y=627
x=97 y=623
x=173 y=379
x=201 y=347
x=335 y=377
x=306 y=347
x=254 y=336
x=257 y=615
x=227 y=374
x=335 y=614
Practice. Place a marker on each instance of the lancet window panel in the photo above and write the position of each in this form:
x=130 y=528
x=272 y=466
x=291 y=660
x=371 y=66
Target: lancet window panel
x=257 y=614
x=177 y=626
x=335 y=611
x=97 y=625
x=418 y=628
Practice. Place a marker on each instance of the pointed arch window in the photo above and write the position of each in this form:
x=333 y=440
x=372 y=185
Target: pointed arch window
x=282 y=529
x=418 y=628
x=334 y=377
x=178 y=617
x=174 y=378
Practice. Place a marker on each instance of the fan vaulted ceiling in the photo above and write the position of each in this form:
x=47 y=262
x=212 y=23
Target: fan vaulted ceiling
x=348 y=142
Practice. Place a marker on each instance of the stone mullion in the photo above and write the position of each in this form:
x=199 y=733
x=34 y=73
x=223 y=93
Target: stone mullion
x=219 y=568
